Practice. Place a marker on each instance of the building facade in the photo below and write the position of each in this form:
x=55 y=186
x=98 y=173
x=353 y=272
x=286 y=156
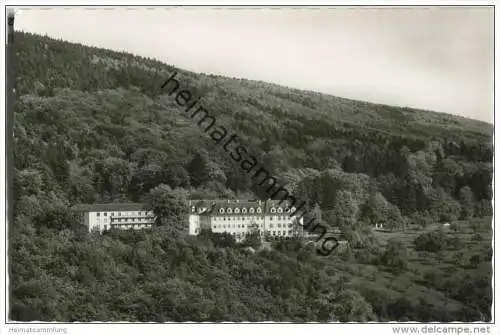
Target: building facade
x=271 y=219
x=101 y=217
x=239 y=218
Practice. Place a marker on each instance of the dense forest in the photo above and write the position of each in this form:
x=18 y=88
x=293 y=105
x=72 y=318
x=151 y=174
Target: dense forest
x=93 y=125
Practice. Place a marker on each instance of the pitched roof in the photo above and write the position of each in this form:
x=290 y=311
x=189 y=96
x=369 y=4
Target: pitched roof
x=110 y=207
x=213 y=206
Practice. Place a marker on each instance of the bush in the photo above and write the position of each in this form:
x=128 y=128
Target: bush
x=437 y=240
x=432 y=241
x=420 y=219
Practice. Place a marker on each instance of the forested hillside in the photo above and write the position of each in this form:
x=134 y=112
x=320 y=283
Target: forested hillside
x=93 y=125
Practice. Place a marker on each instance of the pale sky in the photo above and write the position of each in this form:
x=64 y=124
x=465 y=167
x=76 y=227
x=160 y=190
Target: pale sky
x=437 y=58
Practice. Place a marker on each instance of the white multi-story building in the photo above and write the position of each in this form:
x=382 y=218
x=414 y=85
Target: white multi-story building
x=237 y=217
x=240 y=218
x=101 y=217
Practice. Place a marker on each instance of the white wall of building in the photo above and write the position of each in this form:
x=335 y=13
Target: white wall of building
x=104 y=220
x=194 y=224
x=275 y=224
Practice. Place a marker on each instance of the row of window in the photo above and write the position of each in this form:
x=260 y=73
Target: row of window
x=252 y=210
x=273 y=233
x=237 y=210
x=234 y=226
x=129 y=226
x=223 y=218
x=279 y=225
x=127 y=219
x=118 y=213
x=229 y=218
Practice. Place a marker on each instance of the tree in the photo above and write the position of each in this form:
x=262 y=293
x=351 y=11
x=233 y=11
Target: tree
x=466 y=199
x=421 y=219
x=199 y=169
x=484 y=208
x=446 y=174
x=346 y=209
x=253 y=238
x=27 y=182
x=376 y=210
x=348 y=306
x=148 y=156
x=57 y=218
x=432 y=241
x=176 y=176
x=395 y=256
x=168 y=205
x=146 y=178
x=394 y=218
x=112 y=176
x=444 y=207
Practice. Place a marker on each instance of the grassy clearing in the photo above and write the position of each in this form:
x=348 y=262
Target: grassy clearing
x=430 y=278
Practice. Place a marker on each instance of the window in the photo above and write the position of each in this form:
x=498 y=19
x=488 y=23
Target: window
x=289 y=225
x=239 y=226
x=244 y=210
x=289 y=232
x=274 y=233
x=271 y=218
x=279 y=225
x=229 y=210
x=221 y=210
x=119 y=213
x=236 y=210
x=271 y=225
x=287 y=210
x=105 y=227
x=105 y=214
x=279 y=232
x=293 y=209
x=98 y=214
x=273 y=210
x=259 y=210
x=224 y=219
x=280 y=210
x=252 y=210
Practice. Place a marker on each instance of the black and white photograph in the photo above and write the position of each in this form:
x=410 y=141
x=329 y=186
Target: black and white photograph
x=249 y=164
